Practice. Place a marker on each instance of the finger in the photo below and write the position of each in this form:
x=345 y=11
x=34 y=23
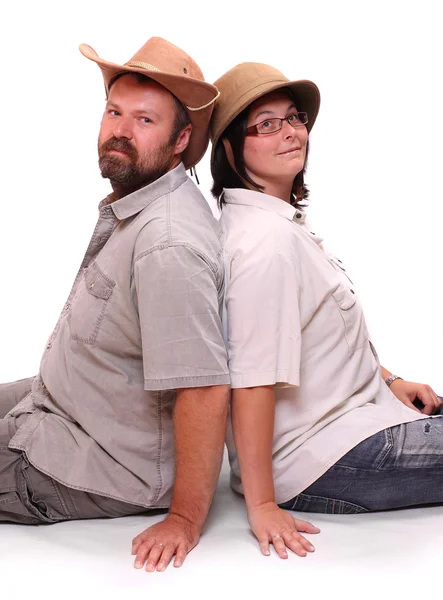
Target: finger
x=136 y=543
x=429 y=400
x=280 y=546
x=409 y=403
x=142 y=553
x=154 y=555
x=306 y=526
x=264 y=545
x=180 y=555
x=297 y=543
x=166 y=557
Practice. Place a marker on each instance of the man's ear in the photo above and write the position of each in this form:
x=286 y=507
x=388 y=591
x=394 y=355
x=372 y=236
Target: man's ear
x=183 y=139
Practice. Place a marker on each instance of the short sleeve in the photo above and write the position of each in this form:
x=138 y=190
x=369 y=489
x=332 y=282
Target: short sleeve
x=263 y=321
x=178 y=305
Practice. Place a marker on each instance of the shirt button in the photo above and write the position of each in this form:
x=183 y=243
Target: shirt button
x=352 y=292
x=298 y=215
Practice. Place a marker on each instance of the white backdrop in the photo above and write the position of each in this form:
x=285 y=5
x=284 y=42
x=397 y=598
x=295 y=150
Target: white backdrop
x=376 y=149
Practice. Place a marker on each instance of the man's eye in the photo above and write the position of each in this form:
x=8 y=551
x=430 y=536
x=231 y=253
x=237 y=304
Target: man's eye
x=114 y=112
x=145 y=120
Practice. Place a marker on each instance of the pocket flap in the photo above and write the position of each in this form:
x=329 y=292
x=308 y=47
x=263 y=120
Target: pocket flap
x=344 y=298
x=97 y=283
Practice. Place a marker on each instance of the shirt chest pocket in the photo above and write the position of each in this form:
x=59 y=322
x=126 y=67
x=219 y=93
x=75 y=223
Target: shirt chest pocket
x=355 y=329
x=89 y=304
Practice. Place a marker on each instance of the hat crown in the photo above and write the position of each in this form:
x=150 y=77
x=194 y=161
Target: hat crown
x=157 y=54
x=241 y=79
x=237 y=88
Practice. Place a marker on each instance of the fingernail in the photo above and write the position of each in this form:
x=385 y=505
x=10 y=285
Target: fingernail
x=138 y=565
x=177 y=564
x=160 y=567
x=311 y=548
x=149 y=567
x=267 y=553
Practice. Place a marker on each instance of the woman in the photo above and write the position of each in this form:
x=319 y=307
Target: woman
x=316 y=423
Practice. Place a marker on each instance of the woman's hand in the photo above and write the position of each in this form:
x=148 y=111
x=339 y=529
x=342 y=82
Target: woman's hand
x=272 y=525
x=408 y=391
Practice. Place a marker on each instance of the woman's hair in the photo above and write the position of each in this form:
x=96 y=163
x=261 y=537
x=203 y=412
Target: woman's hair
x=225 y=177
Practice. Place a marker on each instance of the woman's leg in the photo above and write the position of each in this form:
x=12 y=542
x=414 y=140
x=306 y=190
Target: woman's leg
x=398 y=467
x=12 y=393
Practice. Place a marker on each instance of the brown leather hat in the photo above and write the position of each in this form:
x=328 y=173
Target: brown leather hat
x=247 y=82
x=175 y=70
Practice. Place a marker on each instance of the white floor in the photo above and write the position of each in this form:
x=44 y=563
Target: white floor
x=378 y=556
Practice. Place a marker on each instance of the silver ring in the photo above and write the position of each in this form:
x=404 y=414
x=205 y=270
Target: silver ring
x=160 y=544
x=274 y=537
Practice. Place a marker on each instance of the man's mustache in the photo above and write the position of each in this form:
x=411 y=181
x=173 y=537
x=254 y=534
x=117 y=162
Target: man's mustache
x=121 y=145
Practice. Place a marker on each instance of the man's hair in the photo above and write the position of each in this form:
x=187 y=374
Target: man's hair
x=181 y=119
x=225 y=177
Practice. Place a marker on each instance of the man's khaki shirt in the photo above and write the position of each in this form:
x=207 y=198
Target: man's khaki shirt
x=142 y=320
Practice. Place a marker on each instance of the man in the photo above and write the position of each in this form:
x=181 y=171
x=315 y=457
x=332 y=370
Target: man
x=128 y=411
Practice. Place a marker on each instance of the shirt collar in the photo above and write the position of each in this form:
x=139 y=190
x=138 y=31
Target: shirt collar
x=134 y=203
x=264 y=202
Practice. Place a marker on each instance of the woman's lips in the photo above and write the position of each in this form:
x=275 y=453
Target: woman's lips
x=290 y=151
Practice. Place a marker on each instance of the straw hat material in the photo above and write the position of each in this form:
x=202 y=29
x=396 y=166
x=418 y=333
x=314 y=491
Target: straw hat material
x=175 y=70
x=247 y=82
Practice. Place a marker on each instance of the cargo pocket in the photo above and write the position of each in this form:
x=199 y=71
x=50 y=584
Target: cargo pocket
x=355 y=329
x=89 y=304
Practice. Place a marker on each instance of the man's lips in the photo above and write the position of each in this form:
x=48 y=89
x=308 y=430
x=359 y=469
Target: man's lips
x=122 y=152
x=290 y=151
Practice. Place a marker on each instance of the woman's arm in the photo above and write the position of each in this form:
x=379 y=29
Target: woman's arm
x=253 y=428
x=409 y=391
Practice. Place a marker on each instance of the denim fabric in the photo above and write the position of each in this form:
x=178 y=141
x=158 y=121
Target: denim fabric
x=398 y=467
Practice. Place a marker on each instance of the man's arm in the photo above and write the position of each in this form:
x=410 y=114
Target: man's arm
x=176 y=291
x=200 y=425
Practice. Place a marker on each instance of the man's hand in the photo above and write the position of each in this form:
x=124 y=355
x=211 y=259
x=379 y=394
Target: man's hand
x=158 y=544
x=408 y=391
x=271 y=524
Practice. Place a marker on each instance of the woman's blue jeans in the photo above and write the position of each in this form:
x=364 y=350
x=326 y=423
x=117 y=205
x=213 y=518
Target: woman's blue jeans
x=398 y=467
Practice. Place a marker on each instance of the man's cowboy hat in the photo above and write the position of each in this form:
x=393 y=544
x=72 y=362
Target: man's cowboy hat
x=175 y=70
x=247 y=82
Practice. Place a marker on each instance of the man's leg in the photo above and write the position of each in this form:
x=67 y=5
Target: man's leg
x=398 y=467
x=12 y=393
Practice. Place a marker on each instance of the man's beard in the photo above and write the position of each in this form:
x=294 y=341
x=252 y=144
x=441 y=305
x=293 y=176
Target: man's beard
x=131 y=172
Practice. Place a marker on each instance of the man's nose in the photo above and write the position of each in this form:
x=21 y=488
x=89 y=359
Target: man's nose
x=123 y=128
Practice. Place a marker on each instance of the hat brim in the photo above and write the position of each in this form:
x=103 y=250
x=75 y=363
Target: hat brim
x=192 y=93
x=306 y=95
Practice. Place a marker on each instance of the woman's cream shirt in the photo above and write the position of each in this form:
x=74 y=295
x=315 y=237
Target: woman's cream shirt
x=292 y=319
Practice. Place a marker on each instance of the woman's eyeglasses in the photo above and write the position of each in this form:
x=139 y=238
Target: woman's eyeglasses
x=273 y=125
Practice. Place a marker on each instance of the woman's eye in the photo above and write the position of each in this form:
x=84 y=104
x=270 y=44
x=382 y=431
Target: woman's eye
x=266 y=124
x=293 y=118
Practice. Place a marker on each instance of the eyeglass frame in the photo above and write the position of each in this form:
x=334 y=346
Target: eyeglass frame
x=252 y=129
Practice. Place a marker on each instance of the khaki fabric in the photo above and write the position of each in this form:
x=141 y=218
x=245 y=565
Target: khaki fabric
x=142 y=320
x=292 y=319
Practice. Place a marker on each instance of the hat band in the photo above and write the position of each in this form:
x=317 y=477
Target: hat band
x=149 y=67
x=143 y=65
